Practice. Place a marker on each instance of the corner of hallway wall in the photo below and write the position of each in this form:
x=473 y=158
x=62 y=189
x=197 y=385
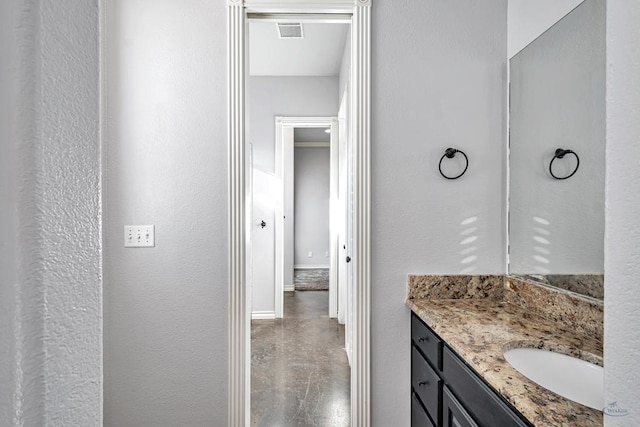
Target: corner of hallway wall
x=438 y=82
x=54 y=329
x=69 y=200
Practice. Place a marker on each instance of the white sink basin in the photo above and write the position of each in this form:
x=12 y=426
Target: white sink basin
x=570 y=377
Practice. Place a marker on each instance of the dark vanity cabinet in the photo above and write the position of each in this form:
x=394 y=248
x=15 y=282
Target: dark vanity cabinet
x=446 y=392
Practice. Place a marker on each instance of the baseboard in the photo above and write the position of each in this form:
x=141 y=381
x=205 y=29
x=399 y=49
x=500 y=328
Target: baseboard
x=348 y=356
x=263 y=315
x=289 y=288
x=310 y=267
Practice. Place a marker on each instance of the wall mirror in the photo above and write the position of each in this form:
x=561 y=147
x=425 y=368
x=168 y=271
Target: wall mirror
x=557 y=101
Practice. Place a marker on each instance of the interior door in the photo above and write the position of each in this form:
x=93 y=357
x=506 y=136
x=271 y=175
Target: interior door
x=264 y=187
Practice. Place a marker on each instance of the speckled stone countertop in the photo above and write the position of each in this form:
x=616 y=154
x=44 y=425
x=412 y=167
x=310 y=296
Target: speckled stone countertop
x=480 y=325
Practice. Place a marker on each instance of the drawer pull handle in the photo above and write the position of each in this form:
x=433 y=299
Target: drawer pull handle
x=423 y=339
x=423 y=383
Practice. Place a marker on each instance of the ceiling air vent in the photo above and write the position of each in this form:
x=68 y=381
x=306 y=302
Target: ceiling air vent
x=289 y=30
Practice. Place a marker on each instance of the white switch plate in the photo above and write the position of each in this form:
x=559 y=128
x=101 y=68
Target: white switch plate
x=139 y=236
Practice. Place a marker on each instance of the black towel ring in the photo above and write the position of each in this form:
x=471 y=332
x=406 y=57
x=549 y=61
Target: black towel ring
x=560 y=153
x=450 y=153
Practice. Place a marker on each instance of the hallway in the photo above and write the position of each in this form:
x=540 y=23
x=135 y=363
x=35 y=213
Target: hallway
x=299 y=370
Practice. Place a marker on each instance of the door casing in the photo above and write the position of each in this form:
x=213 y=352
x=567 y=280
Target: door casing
x=239 y=344
x=284 y=167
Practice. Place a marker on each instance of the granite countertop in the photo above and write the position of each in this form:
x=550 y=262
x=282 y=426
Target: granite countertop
x=481 y=329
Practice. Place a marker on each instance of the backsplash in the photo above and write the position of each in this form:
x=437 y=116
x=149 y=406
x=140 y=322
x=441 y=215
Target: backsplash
x=576 y=312
x=455 y=286
x=591 y=285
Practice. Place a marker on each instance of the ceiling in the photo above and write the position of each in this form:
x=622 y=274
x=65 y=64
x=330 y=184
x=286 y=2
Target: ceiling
x=319 y=53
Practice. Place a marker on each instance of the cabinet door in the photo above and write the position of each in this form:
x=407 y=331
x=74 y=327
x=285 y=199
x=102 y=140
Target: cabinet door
x=419 y=417
x=427 y=341
x=426 y=384
x=482 y=402
x=453 y=414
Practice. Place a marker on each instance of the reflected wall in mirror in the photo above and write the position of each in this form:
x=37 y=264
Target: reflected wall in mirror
x=556 y=227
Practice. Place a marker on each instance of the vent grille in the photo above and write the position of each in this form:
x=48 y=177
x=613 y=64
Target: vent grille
x=290 y=30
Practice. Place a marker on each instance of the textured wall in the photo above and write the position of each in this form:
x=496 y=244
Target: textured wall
x=10 y=70
x=166 y=164
x=311 y=199
x=438 y=82
x=622 y=238
x=54 y=286
x=68 y=196
x=558 y=100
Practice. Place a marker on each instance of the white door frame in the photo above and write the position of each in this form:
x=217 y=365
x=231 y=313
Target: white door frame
x=284 y=162
x=239 y=312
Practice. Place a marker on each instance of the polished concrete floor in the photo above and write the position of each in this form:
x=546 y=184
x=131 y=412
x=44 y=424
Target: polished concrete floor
x=299 y=369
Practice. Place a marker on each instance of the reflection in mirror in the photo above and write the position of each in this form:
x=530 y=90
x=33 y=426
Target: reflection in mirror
x=556 y=226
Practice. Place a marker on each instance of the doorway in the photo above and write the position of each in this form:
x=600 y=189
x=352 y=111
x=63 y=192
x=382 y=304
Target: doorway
x=294 y=188
x=239 y=315
x=300 y=244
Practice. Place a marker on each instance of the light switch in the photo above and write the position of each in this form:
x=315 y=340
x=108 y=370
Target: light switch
x=139 y=236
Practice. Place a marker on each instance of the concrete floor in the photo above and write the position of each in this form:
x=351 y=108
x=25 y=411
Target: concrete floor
x=299 y=370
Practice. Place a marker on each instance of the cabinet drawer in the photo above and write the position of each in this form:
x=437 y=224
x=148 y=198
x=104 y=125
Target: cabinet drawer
x=453 y=414
x=479 y=399
x=426 y=341
x=419 y=417
x=426 y=384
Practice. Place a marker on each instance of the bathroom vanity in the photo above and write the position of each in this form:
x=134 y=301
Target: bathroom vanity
x=460 y=328
x=439 y=378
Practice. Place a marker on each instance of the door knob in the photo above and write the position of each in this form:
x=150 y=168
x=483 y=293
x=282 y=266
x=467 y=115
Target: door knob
x=348 y=259
x=263 y=224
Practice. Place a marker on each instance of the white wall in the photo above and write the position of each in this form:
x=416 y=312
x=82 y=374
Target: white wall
x=166 y=164
x=622 y=237
x=311 y=200
x=558 y=100
x=51 y=291
x=439 y=82
x=345 y=66
x=530 y=18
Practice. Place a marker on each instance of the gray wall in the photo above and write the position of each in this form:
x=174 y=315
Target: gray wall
x=311 y=211
x=166 y=164
x=50 y=277
x=285 y=96
x=439 y=82
x=622 y=239
x=9 y=271
x=529 y=18
x=270 y=97
x=558 y=100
